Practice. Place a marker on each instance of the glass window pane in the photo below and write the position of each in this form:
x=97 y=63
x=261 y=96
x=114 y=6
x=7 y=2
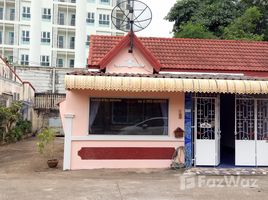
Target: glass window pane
x=128 y=116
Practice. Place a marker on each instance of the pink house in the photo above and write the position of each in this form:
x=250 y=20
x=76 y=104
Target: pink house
x=123 y=111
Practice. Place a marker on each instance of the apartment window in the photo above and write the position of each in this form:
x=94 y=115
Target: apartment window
x=1 y=37
x=61 y=19
x=25 y=36
x=72 y=42
x=59 y=62
x=106 y=2
x=10 y=59
x=46 y=14
x=44 y=60
x=45 y=37
x=61 y=41
x=11 y=38
x=104 y=19
x=71 y=63
x=90 y=18
x=1 y=13
x=26 y=12
x=12 y=14
x=128 y=116
x=88 y=40
x=24 y=59
x=73 y=20
x=91 y=1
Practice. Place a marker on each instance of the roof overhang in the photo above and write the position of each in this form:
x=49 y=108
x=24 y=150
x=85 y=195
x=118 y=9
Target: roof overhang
x=158 y=83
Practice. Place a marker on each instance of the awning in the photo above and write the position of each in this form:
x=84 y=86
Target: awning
x=165 y=84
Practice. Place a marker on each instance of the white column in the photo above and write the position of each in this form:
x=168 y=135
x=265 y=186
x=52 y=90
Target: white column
x=80 y=34
x=35 y=32
x=68 y=127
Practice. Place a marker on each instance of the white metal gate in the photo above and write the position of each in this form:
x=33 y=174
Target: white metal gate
x=207 y=130
x=251 y=145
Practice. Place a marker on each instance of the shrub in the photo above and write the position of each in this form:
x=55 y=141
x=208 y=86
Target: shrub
x=45 y=144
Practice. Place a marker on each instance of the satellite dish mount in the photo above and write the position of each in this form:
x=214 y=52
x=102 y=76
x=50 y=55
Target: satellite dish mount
x=131 y=16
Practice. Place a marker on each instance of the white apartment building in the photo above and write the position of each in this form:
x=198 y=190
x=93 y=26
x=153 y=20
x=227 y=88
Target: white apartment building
x=52 y=32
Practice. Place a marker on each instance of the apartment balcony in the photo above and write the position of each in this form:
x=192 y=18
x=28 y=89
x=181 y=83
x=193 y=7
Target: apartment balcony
x=10 y=41
x=10 y=17
x=70 y=3
x=72 y=45
x=63 y=22
x=63 y=46
x=47 y=101
x=10 y=1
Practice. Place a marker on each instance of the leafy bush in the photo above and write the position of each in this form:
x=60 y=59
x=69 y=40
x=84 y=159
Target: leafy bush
x=12 y=125
x=45 y=144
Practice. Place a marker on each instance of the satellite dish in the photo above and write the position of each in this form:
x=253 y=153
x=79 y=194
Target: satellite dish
x=131 y=16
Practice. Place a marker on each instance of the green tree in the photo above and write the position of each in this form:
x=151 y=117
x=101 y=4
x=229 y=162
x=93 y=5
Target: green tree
x=220 y=18
x=9 y=116
x=213 y=14
x=244 y=27
x=262 y=24
x=191 y=30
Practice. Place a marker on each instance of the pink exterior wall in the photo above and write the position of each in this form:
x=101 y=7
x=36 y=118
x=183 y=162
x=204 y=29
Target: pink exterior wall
x=126 y=62
x=77 y=103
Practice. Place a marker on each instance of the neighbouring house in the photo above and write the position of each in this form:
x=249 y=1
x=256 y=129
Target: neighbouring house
x=124 y=111
x=12 y=88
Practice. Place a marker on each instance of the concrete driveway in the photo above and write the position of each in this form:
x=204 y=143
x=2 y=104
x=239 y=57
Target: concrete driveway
x=24 y=176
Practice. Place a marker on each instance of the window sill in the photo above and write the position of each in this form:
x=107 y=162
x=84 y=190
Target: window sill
x=125 y=138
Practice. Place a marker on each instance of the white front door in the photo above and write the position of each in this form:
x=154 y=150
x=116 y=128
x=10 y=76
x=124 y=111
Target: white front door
x=245 y=132
x=207 y=131
x=262 y=133
x=251 y=145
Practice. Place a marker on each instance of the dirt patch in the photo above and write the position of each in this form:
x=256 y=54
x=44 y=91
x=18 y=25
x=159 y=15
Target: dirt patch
x=23 y=157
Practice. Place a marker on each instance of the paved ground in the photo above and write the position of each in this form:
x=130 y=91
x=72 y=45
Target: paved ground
x=24 y=176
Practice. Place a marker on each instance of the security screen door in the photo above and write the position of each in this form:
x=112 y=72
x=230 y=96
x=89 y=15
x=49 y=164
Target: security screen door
x=251 y=145
x=207 y=130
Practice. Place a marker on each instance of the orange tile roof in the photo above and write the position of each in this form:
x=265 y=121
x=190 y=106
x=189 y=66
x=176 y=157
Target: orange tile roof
x=192 y=54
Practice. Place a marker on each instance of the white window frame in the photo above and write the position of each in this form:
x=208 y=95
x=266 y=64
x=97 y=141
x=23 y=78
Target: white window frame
x=24 y=59
x=60 y=44
x=45 y=37
x=2 y=13
x=46 y=14
x=44 y=60
x=25 y=36
x=90 y=17
x=71 y=65
x=88 y=40
x=12 y=14
x=104 y=2
x=60 y=64
x=26 y=12
x=11 y=39
x=104 y=19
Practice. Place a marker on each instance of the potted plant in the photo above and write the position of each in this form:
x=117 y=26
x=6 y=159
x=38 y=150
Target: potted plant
x=45 y=146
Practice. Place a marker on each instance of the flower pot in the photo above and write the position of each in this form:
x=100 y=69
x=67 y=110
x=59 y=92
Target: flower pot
x=52 y=163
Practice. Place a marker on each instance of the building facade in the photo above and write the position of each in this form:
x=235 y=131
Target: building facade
x=202 y=100
x=13 y=88
x=52 y=32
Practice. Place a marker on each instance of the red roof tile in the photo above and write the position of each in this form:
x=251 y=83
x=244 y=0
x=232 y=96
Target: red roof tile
x=192 y=54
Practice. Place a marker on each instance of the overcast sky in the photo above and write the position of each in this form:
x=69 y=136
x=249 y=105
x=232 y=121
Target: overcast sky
x=158 y=27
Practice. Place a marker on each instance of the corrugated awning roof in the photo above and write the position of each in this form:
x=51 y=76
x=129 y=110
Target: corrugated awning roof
x=166 y=83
